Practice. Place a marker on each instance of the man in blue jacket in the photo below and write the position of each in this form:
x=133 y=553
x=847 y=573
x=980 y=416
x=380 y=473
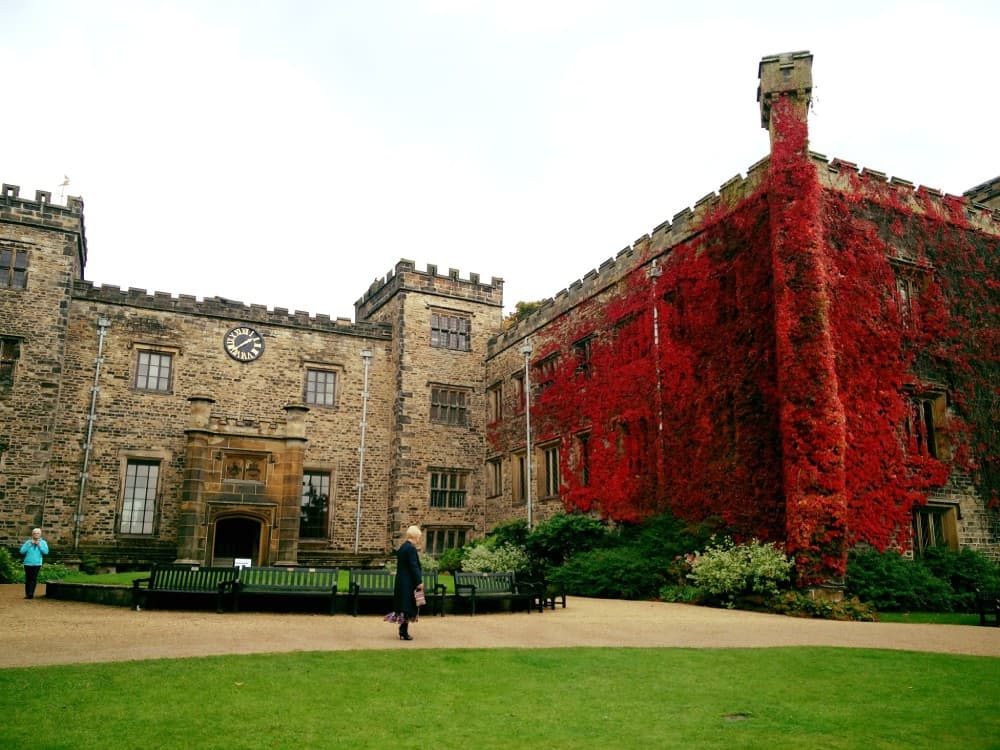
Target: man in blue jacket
x=33 y=549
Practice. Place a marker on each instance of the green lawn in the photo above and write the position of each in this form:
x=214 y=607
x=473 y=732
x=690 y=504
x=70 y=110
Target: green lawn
x=512 y=698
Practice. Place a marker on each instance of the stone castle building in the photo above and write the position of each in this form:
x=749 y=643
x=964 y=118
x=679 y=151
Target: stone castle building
x=711 y=368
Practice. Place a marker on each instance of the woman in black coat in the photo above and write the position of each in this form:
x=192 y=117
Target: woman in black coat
x=408 y=579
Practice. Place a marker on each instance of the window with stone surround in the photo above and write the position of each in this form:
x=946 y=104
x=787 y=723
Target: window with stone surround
x=449 y=405
x=520 y=488
x=438 y=540
x=934 y=526
x=494 y=402
x=139 y=497
x=315 y=506
x=10 y=352
x=154 y=370
x=494 y=477
x=544 y=372
x=448 y=488
x=923 y=425
x=550 y=470
x=320 y=387
x=582 y=350
x=449 y=331
x=583 y=458
x=13 y=266
x=517 y=383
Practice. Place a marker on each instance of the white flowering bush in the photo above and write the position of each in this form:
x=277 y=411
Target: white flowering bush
x=729 y=570
x=503 y=558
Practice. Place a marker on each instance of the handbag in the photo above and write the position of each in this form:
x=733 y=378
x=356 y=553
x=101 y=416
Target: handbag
x=418 y=595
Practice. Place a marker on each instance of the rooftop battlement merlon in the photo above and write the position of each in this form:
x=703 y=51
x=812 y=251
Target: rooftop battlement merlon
x=42 y=213
x=405 y=276
x=222 y=308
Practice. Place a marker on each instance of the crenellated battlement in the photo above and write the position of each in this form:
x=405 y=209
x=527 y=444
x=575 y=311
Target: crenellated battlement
x=41 y=213
x=838 y=174
x=405 y=276
x=685 y=224
x=220 y=307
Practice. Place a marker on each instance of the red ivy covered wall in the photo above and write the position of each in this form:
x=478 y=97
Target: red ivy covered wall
x=758 y=373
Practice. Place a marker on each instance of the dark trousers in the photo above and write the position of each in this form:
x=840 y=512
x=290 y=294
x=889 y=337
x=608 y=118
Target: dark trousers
x=30 y=580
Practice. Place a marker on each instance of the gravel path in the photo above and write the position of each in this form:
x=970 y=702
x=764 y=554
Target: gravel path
x=49 y=631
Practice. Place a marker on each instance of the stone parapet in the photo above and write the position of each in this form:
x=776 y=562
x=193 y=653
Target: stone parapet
x=220 y=307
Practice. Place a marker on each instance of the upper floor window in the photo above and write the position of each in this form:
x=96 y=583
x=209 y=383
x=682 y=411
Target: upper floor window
x=517 y=381
x=494 y=477
x=583 y=349
x=545 y=372
x=448 y=488
x=494 y=402
x=583 y=456
x=520 y=488
x=321 y=388
x=905 y=299
x=923 y=422
x=449 y=406
x=153 y=371
x=139 y=497
x=315 y=504
x=451 y=332
x=10 y=352
x=13 y=267
x=550 y=455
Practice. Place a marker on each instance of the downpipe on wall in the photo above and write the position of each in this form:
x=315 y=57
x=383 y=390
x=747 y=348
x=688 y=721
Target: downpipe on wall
x=102 y=327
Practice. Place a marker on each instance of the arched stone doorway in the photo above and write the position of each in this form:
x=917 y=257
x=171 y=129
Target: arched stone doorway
x=236 y=537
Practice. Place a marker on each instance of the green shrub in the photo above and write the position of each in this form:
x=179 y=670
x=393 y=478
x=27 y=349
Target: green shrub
x=798 y=604
x=9 y=567
x=451 y=560
x=888 y=581
x=501 y=559
x=553 y=541
x=512 y=532
x=729 y=570
x=964 y=572
x=615 y=573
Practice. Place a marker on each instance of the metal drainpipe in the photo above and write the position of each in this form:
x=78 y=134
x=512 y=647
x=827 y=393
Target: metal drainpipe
x=102 y=326
x=366 y=356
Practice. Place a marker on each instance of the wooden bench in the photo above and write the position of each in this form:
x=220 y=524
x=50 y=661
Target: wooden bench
x=193 y=580
x=379 y=582
x=551 y=593
x=277 y=581
x=988 y=604
x=474 y=587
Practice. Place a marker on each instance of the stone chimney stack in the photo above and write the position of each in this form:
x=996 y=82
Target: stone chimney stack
x=786 y=74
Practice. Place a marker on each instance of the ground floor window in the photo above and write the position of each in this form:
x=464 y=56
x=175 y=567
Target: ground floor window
x=934 y=526
x=437 y=541
x=139 y=497
x=315 y=504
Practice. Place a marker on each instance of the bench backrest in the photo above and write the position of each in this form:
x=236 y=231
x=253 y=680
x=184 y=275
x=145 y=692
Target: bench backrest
x=303 y=579
x=189 y=577
x=380 y=580
x=486 y=583
x=371 y=580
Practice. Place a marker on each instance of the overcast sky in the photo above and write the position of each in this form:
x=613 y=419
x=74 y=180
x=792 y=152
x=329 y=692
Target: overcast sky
x=289 y=153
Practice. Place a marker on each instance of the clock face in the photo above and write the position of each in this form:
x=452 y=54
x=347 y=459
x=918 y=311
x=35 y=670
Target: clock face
x=243 y=344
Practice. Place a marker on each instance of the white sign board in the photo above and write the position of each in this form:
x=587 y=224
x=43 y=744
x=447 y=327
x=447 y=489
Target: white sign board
x=242 y=562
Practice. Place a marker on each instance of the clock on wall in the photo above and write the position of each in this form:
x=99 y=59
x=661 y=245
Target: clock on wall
x=243 y=344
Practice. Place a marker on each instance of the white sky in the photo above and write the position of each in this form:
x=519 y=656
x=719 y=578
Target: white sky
x=289 y=153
